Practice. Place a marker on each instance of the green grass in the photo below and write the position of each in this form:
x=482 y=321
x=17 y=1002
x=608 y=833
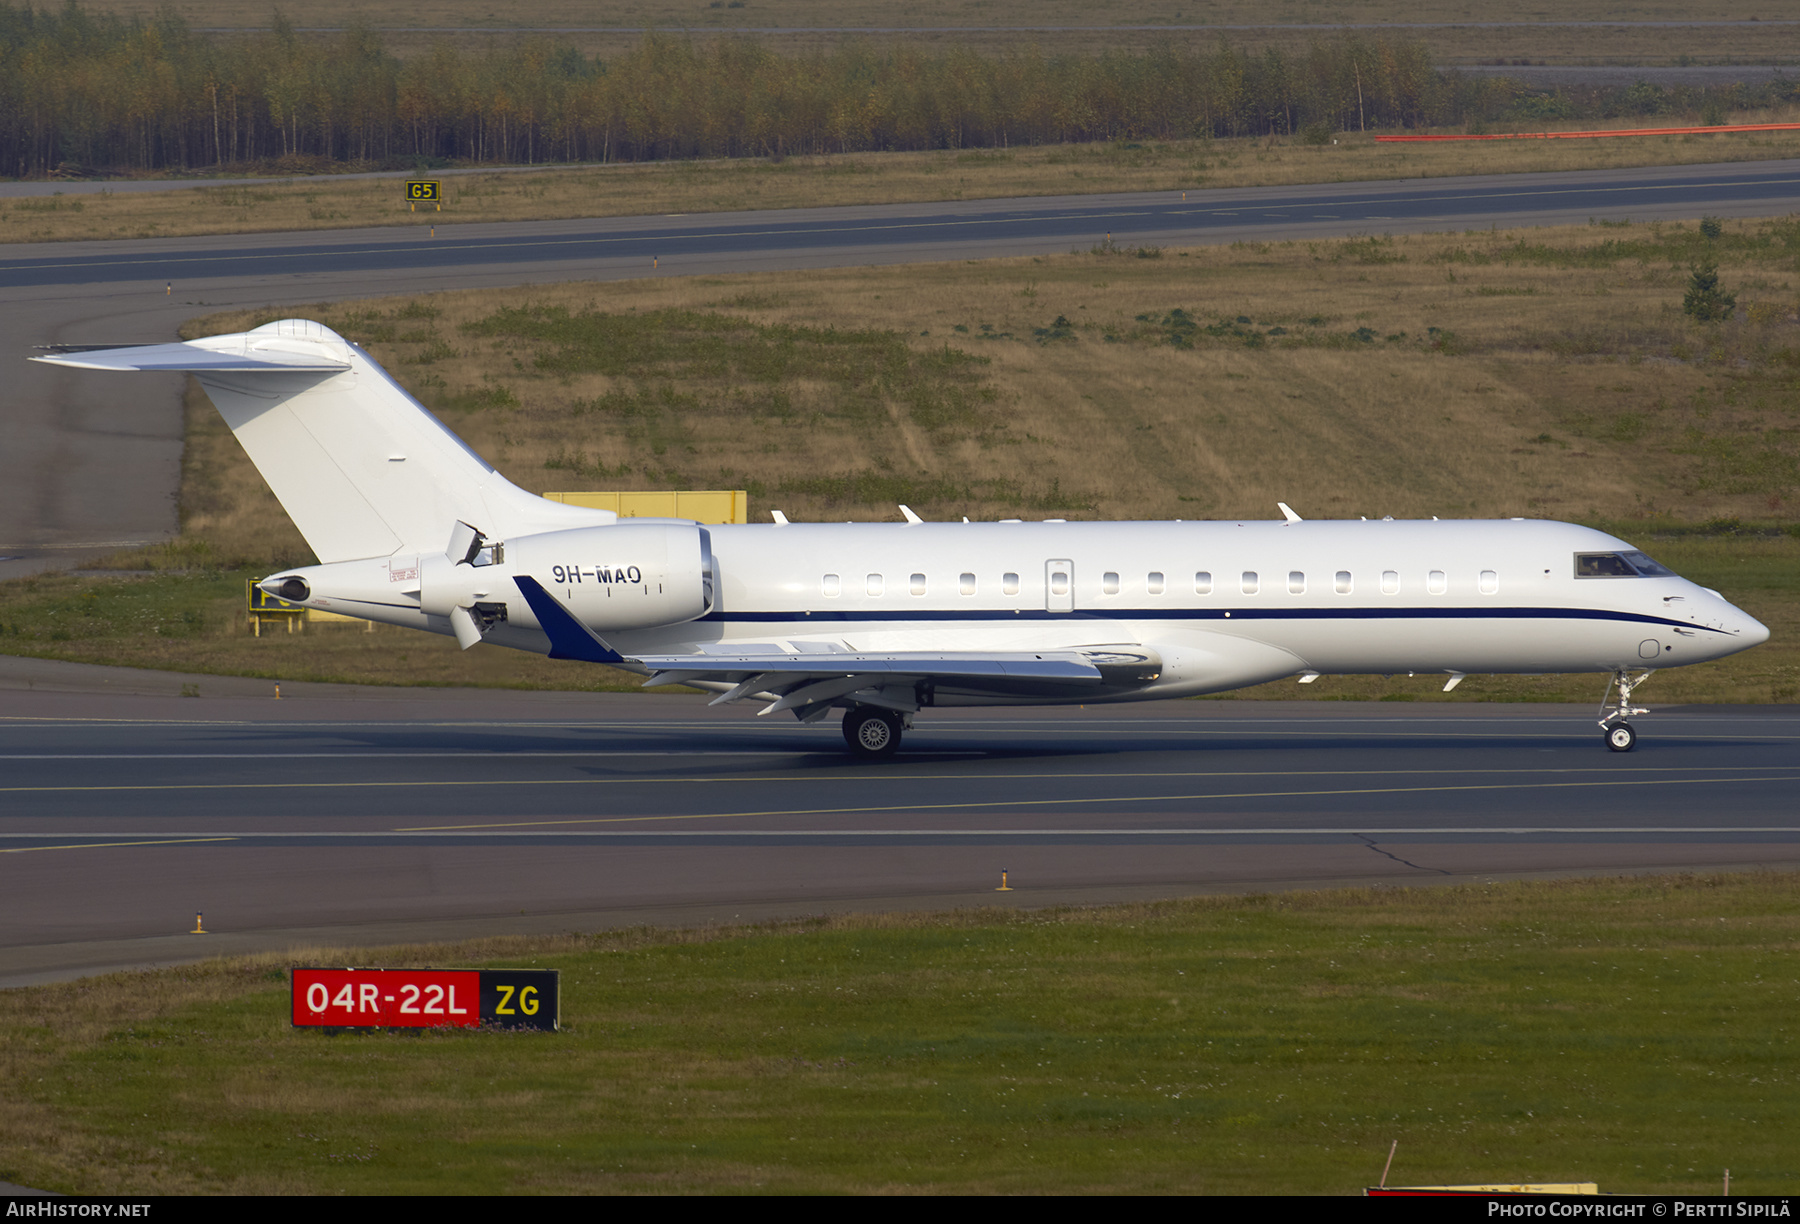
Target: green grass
x=1635 y=1032
x=653 y=351
x=194 y=621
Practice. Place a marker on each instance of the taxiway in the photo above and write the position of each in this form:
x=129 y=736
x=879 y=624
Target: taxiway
x=364 y=816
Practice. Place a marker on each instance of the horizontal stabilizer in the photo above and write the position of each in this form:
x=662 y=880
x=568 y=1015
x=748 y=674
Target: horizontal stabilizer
x=195 y=359
x=362 y=467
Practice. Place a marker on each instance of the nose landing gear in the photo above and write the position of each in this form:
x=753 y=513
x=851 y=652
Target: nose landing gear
x=1618 y=733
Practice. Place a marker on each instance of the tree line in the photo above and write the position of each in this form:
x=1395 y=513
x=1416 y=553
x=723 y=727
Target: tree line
x=93 y=91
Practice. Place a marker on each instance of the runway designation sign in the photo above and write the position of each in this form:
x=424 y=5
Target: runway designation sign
x=426 y=998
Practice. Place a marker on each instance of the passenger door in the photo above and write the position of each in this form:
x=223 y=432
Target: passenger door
x=1059 y=586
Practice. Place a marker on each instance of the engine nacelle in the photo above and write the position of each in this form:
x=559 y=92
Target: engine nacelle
x=626 y=576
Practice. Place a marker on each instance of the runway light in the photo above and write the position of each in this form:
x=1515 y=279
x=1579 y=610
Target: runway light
x=1003 y=887
x=199 y=927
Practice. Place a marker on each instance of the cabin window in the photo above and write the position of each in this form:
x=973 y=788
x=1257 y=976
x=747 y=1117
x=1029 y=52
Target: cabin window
x=1109 y=582
x=830 y=586
x=873 y=584
x=1344 y=585
x=966 y=584
x=1009 y=583
x=1059 y=583
x=1203 y=583
x=1436 y=583
x=1390 y=582
x=1296 y=582
x=1490 y=582
x=1154 y=583
x=918 y=584
x=1249 y=582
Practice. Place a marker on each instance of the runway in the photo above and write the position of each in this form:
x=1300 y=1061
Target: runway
x=89 y=470
x=709 y=242
x=370 y=816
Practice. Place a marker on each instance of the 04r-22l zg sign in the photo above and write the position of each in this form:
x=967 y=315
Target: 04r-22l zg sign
x=426 y=998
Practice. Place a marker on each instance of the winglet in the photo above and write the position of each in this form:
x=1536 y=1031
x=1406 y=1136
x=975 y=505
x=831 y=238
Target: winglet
x=569 y=638
x=1287 y=512
x=781 y=520
x=910 y=516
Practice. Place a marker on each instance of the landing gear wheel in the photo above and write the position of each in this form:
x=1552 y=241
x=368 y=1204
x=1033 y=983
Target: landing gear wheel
x=1613 y=728
x=872 y=734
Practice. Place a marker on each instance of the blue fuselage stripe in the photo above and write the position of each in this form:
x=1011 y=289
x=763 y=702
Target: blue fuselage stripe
x=1203 y=614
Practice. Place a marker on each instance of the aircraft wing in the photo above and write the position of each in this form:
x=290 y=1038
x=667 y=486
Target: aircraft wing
x=1039 y=665
x=810 y=683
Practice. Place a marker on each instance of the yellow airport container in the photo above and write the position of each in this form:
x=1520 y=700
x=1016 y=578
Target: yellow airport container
x=263 y=606
x=701 y=505
x=318 y=616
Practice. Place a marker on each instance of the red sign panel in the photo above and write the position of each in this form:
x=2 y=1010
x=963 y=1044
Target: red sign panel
x=387 y=998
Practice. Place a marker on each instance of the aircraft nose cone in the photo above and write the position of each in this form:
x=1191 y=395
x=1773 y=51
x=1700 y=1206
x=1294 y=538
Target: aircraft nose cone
x=1752 y=632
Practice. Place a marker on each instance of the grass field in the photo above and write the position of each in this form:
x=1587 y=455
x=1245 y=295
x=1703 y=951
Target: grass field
x=279 y=205
x=1547 y=373
x=1635 y=1032
x=1541 y=373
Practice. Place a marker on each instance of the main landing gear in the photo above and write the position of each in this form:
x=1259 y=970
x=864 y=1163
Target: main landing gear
x=1618 y=733
x=873 y=734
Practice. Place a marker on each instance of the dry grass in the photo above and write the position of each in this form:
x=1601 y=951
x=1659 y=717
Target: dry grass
x=271 y=205
x=1489 y=374
x=1546 y=374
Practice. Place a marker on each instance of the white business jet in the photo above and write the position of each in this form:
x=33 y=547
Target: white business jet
x=881 y=620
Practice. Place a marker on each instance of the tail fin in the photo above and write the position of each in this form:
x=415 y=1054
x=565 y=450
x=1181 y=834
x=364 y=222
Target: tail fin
x=362 y=468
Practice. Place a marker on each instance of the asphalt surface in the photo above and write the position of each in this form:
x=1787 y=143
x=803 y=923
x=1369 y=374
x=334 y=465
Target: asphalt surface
x=360 y=816
x=895 y=233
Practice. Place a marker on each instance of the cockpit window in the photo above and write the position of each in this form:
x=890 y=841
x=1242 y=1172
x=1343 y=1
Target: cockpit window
x=1618 y=565
x=1645 y=566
